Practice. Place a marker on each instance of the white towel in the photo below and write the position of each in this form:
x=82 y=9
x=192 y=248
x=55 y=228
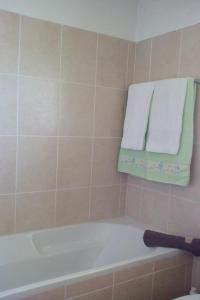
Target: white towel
x=137 y=114
x=165 y=123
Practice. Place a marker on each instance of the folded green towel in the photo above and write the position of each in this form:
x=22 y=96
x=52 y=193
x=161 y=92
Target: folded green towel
x=174 y=169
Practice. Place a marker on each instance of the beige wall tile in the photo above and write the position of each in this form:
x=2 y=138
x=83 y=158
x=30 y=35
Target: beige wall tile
x=131 y=63
x=133 y=202
x=105 y=294
x=105 y=162
x=133 y=272
x=169 y=284
x=124 y=178
x=195 y=155
x=179 y=229
x=136 y=181
x=105 y=202
x=72 y=206
x=8 y=104
x=74 y=163
x=38 y=107
x=109 y=111
x=7 y=214
x=35 y=211
x=156 y=186
x=56 y=294
x=140 y=289
x=122 y=207
x=36 y=164
x=40 y=48
x=142 y=61
x=197 y=106
x=155 y=209
x=165 y=56
x=9 y=42
x=79 y=55
x=8 y=164
x=197 y=118
x=184 y=217
x=112 y=62
x=190 y=60
x=96 y=283
x=76 y=110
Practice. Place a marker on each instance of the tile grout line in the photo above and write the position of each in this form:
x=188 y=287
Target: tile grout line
x=153 y=281
x=170 y=193
x=169 y=208
x=144 y=189
x=138 y=277
x=140 y=204
x=55 y=79
x=125 y=201
x=180 y=53
x=61 y=189
x=92 y=292
x=153 y=190
x=63 y=136
x=135 y=57
x=58 y=122
x=65 y=291
x=120 y=181
x=120 y=195
x=113 y=285
x=93 y=128
x=127 y=63
x=185 y=279
x=150 y=59
x=17 y=122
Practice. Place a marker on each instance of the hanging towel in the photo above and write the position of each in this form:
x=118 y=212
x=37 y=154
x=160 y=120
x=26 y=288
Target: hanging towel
x=165 y=123
x=174 y=169
x=137 y=114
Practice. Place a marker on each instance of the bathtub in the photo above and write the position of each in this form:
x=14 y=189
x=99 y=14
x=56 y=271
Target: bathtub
x=34 y=262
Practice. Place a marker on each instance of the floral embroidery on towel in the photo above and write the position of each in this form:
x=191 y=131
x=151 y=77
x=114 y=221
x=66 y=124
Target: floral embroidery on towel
x=159 y=166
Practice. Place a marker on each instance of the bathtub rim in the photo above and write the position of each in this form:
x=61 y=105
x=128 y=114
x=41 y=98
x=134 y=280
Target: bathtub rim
x=124 y=220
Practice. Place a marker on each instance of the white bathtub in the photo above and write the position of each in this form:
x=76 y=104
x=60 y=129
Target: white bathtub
x=34 y=262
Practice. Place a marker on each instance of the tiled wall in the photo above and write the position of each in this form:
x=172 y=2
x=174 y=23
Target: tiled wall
x=165 y=279
x=170 y=208
x=62 y=99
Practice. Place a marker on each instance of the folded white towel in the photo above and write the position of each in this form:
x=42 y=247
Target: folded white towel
x=137 y=114
x=165 y=123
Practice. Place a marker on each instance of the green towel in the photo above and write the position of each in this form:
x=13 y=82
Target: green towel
x=167 y=168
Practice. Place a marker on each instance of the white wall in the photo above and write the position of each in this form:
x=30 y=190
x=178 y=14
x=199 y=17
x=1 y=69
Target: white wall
x=160 y=16
x=112 y=17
